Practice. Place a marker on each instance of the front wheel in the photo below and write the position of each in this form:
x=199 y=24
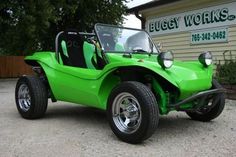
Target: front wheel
x=31 y=97
x=132 y=112
x=207 y=113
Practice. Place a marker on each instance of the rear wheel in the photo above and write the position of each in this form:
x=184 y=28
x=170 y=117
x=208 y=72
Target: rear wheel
x=209 y=112
x=31 y=97
x=132 y=112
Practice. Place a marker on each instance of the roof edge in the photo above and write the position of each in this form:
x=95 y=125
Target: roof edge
x=149 y=5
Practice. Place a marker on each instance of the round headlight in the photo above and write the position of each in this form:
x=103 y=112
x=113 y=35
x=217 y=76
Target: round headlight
x=205 y=58
x=165 y=59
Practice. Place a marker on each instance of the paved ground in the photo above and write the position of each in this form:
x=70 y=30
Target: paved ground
x=72 y=130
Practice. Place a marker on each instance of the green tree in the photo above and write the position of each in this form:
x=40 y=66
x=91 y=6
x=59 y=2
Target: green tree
x=31 y=25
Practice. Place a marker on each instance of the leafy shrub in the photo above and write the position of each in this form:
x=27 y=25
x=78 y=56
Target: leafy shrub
x=226 y=73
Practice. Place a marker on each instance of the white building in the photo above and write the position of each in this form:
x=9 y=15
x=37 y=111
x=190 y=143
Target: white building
x=190 y=27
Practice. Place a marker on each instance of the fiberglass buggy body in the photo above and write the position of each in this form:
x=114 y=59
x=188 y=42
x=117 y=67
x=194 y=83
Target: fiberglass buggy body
x=120 y=70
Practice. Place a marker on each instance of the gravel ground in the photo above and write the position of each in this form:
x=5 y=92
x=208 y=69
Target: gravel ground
x=72 y=130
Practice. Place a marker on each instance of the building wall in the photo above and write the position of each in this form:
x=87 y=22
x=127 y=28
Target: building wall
x=179 y=42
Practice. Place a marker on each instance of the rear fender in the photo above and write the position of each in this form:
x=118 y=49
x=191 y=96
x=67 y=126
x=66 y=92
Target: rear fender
x=39 y=69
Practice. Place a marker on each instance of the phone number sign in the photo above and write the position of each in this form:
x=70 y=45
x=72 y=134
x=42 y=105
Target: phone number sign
x=215 y=35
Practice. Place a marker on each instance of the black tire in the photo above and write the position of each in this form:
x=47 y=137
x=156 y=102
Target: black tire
x=33 y=104
x=148 y=112
x=213 y=112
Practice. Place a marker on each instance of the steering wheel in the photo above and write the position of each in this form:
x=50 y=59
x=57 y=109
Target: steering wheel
x=138 y=49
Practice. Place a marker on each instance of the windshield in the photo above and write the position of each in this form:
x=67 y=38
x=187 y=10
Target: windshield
x=118 y=39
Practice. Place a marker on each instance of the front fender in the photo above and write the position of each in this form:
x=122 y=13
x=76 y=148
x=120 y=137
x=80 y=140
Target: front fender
x=188 y=77
x=158 y=70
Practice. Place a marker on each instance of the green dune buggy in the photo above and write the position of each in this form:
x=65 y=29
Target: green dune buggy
x=121 y=71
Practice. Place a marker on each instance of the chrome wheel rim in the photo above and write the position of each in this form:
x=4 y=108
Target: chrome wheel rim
x=126 y=112
x=24 y=98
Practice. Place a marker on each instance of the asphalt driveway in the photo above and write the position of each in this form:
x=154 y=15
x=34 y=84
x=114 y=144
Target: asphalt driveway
x=72 y=130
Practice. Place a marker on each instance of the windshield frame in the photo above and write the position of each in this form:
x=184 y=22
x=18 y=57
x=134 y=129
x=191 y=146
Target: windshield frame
x=120 y=27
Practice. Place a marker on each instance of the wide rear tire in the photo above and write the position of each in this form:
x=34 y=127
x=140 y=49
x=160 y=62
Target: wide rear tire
x=31 y=97
x=132 y=112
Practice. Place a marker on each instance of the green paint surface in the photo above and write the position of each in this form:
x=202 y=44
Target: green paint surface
x=92 y=87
